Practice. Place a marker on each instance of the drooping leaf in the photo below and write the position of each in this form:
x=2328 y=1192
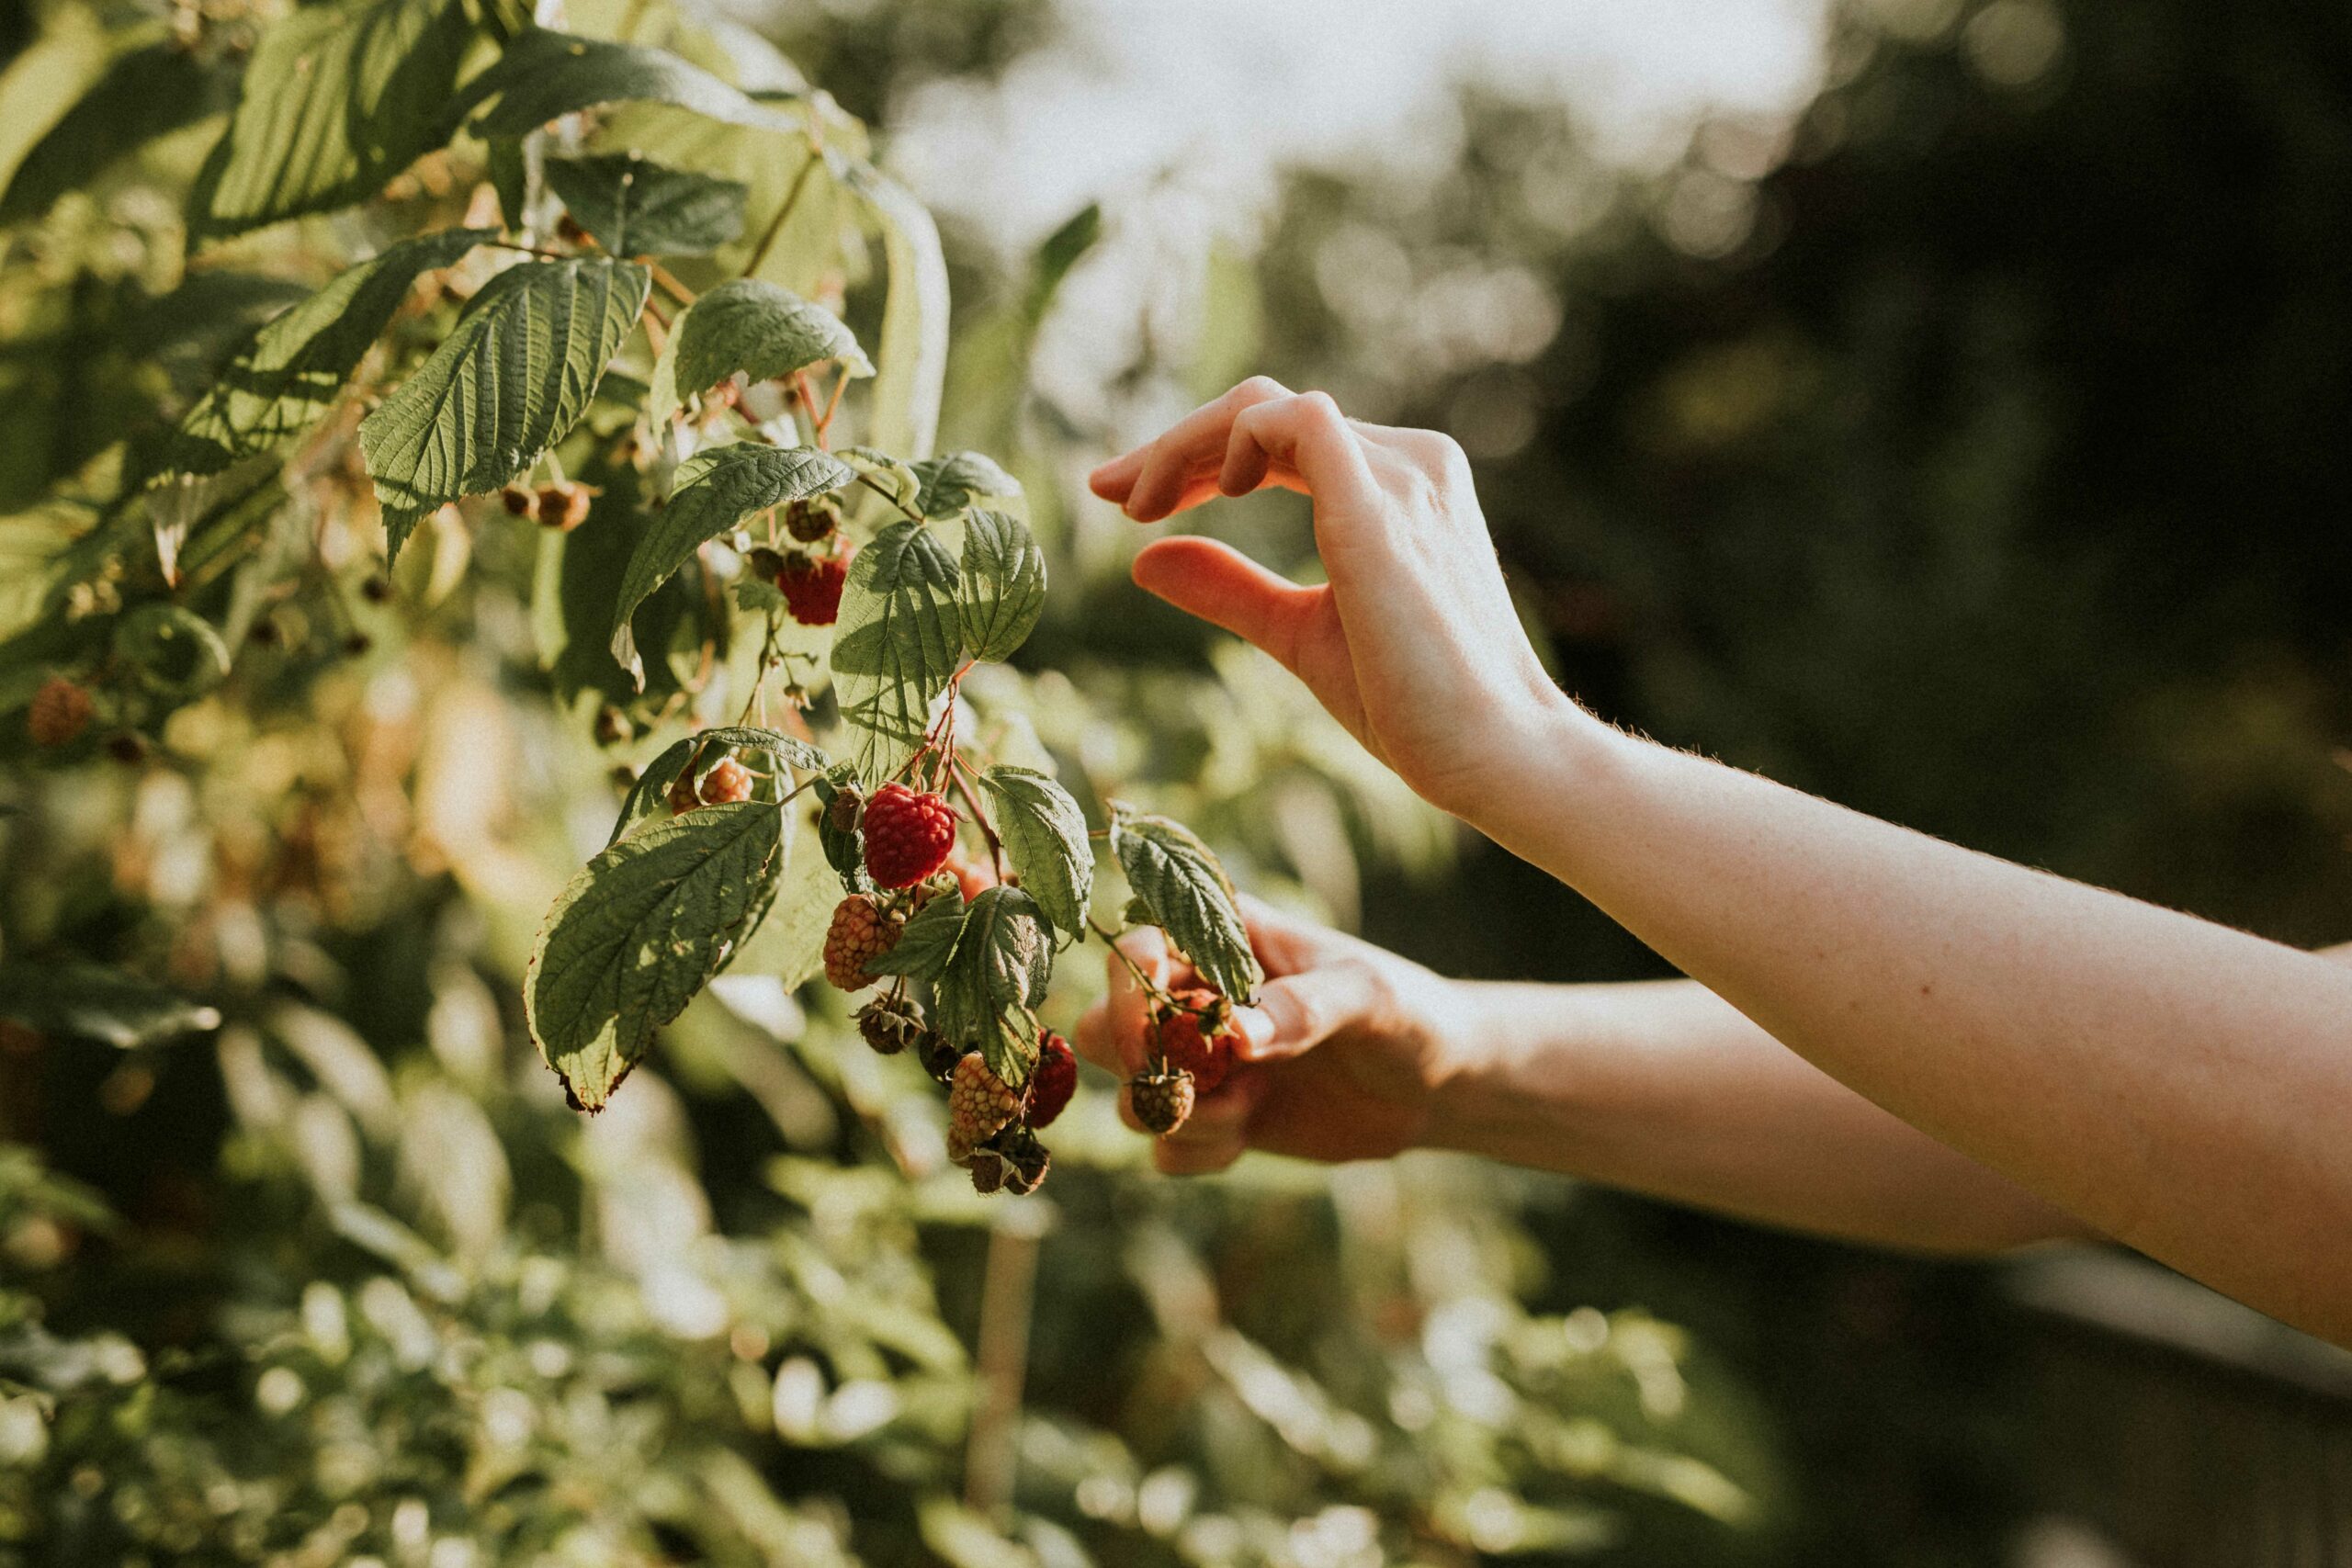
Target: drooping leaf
x=638 y=932
x=1003 y=584
x=1003 y=960
x=703 y=750
x=513 y=377
x=635 y=207
x=717 y=490
x=145 y=93
x=752 y=326
x=910 y=366
x=92 y=1001
x=927 y=942
x=1044 y=834
x=295 y=367
x=337 y=98
x=844 y=847
x=1175 y=873
x=954 y=482
x=545 y=74
x=897 y=642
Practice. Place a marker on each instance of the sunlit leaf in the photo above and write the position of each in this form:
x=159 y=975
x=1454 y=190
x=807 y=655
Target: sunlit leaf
x=1003 y=590
x=145 y=93
x=954 y=482
x=898 y=641
x=1171 y=871
x=1044 y=834
x=545 y=74
x=927 y=941
x=337 y=98
x=707 y=746
x=295 y=367
x=513 y=377
x=638 y=932
x=910 y=365
x=1003 y=960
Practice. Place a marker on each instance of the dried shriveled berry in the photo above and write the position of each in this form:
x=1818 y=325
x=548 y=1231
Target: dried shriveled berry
x=1162 y=1098
x=860 y=933
x=889 y=1024
x=811 y=586
x=1029 y=1158
x=564 y=504
x=763 y=563
x=60 y=712
x=812 y=521
x=612 y=726
x=1055 y=1080
x=908 y=836
x=978 y=1104
x=990 y=1170
x=518 y=501
x=846 y=809
x=1196 y=1033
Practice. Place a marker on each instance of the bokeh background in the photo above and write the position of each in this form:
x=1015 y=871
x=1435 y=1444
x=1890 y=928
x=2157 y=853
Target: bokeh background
x=1944 y=406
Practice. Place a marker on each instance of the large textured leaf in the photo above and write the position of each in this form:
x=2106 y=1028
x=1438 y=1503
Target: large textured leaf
x=514 y=376
x=1174 y=873
x=897 y=643
x=1001 y=961
x=1044 y=834
x=704 y=749
x=928 y=941
x=911 y=367
x=638 y=932
x=337 y=98
x=954 y=482
x=756 y=327
x=545 y=74
x=145 y=93
x=1003 y=586
x=294 y=368
x=635 y=207
x=717 y=490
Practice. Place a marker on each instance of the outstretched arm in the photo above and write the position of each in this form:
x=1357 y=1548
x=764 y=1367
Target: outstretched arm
x=2172 y=1083
x=1658 y=1088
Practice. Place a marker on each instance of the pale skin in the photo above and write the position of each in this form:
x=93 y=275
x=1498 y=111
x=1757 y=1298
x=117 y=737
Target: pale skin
x=1883 y=1036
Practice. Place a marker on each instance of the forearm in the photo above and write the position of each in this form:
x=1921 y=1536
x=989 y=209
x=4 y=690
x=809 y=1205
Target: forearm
x=2175 y=1084
x=1664 y=1088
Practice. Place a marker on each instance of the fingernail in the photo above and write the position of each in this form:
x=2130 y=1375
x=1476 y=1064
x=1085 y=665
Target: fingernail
x=1256 y=1028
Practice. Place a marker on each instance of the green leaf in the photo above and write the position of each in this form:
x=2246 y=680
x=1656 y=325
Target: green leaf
x=147 y=92
x=927 y=942
x=635 y=207
x=717 y=490
x=953 y=481
x=911 y=367
x=1003 y=586
x=1003 y=960
x=844 y=847
x=897 y=642
x=91 y=1001
x=638 y=932
x=1044 y=834
x=1174 y=873
x=760 y=329
x=294 y=368
x=704 y=749
x=507 y=383
x=543 y=74
x=172 y=648
x=337 y=98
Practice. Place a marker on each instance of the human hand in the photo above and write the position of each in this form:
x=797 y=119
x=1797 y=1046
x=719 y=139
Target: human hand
x=1412 y=643
x=1340 y=1060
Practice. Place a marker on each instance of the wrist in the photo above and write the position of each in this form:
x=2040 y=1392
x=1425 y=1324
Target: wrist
x=1550 y=752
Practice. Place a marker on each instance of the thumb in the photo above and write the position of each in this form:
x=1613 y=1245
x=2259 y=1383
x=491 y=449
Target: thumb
x=1226 y=587
x=1298 y=1012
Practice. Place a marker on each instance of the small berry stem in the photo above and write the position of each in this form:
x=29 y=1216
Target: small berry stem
x=890 y=496
x=1111 y=938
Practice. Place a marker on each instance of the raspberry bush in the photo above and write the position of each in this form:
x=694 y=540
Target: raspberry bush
x=421 y=416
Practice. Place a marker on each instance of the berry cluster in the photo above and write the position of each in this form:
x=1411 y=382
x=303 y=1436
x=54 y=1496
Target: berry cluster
x=1191 y=1051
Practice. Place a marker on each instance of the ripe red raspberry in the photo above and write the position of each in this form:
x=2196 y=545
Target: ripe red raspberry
x=811 y=586
x=1055 y=1080
x=978 y=1105
x=860 y=933
x=60 y=712
x=1197 y=1035
x=908 y=836
x=1162 y=1098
